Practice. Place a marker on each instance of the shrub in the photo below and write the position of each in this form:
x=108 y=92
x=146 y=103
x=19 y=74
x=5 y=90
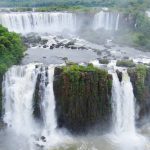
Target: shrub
x=125 y=63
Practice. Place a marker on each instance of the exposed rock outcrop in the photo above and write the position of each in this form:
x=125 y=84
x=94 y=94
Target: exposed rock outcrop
x=83 y=97
x=140 y=78
x=1 y=80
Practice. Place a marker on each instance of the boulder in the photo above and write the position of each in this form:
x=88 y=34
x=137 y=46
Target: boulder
x=83 y=97
x=140 y=78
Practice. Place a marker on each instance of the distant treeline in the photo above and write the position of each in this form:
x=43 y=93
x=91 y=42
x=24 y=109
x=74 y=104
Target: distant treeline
x=87 y=3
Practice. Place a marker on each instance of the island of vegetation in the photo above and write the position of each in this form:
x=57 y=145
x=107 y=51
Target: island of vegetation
x=83 y=97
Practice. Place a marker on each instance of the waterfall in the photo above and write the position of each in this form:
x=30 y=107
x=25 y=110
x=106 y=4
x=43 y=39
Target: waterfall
x=18 y=95
x=117 y=22
x=106 y=20
x=18 y=89
x=123 y=104
x=124 y=133
x=49 y=105
x=45 y=22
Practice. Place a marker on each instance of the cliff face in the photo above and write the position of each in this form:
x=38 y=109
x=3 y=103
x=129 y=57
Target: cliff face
x=1 y=80
x=140 y=78
x=83 y=98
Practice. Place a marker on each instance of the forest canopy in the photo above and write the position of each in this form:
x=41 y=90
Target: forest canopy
x=11 y=49
x=88 y=3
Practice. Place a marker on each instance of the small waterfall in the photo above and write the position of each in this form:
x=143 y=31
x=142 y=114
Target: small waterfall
x=19 y=89
x=117 y=22
x=124 y=133
x=38 y=22
x=106 y=20
x=48 y=104
x=123 y=104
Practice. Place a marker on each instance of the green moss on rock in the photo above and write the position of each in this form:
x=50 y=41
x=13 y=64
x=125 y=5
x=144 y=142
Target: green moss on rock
x=140 y=78
x=83 y=97
x=125 y=63
x=104 y=61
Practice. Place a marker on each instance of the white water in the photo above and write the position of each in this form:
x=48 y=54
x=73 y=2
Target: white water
x=38 y=22
x=48 y=105
x=106 y=20
x=124 y=132
x=18 y=89
x=123 y=103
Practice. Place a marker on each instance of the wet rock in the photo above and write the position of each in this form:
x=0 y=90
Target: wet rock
x=3 y=125
x=83 y=98
x=37 y=99
x=51 y=47
x=73 y=47
x=31 y=39
x=43 y=41
x=140 y=78
x=45 y=46
x=99 y=52
x=43 y=138
x=119 y=74
x=125 y=63
x=108 y=46
x=82 y=48
x=104 y=61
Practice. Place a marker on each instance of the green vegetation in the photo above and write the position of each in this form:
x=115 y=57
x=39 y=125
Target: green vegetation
x=104 y=61
x=67 y=8
x=84 y=96
x=67 y=3
x=39 y=3
x=137 y=31
x=125 y=63
x=139 y=75
x=11 y=51
x=75 y=72
x=78 y=68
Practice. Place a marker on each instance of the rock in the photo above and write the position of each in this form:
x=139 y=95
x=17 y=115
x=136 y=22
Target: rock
x=82 y=48
x=39 y=93
x=43 y=138
x=140 y=78
x=31 y=39
x=37 y=99
x=104 y=61
x=70 y=43
x=43 y=41
x=45 y=46
x=125 y=63
x=1 y=80
x=83 y=98
x=108 y=46
x=99 y=52
x=73 y=47
x=3 y=125
x=51 y=47
x=119 y=75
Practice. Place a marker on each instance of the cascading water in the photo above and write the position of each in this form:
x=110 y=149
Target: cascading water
x=18 y=89
x=48 y=105
x=106 y=20
x=123 y=104
x=38 y=22
x=117 y=22
x=124 y=133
